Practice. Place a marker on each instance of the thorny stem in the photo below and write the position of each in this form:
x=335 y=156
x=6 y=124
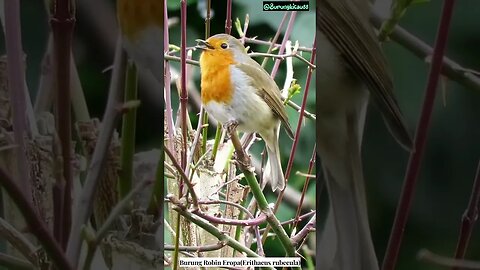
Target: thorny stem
x=183 y=176
x=228 y=21
x=244 y=163
x=303 y=233
x=451 y=69
x=216 y=232
x=205 y=248
x=63 y=23
x=183 y=90
x=286 y=36
x=305 y=186
x=275 y=38
x=469 y=218
x=204 y=113
x=414 y=163
x=428 y=256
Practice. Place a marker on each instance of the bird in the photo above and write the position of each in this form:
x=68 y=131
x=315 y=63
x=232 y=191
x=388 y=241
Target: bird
x=351 y=69
x=141 y=27
x=236 y=89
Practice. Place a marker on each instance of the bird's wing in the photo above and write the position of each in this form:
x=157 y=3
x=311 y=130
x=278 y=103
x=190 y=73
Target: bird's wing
x=342 y=23
x=268 y=91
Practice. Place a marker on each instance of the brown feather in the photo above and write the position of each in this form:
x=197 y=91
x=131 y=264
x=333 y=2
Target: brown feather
x=268 y=91
x=348 y=30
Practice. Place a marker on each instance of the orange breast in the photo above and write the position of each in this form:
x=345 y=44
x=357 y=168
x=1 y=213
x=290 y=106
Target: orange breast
x=216 y=81
x=136 y=15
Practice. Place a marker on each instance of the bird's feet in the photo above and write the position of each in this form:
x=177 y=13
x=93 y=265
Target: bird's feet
x=230 y=126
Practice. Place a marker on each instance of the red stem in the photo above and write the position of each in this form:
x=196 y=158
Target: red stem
x=305 y=186
x=228 y=21
x=62 y=23
x=302 y=111
x=469 y=218
x=183 y=90
x=414 y=163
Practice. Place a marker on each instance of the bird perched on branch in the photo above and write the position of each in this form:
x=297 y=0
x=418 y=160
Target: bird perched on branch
x=236 y=89
x=141 y=25
x=351 y=68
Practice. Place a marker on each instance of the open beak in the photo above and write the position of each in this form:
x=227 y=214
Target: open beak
x=203 y=45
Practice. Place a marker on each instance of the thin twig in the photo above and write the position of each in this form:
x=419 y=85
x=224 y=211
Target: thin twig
x=283 y=56
x=228 y=20
x=302 y=234
x=83 y=205
x=286 y=36
x=12 y=262
x=18 y=240
x=469 y=218
x=428 y=256
x=116 y=211
x=205 y=248
x=416 y=155
x=216 y=232
x=415 y=45
x=183 y=176
x=300 y=218
x=183 y=90
x=305 y=186
x=36 y=225
x=275 y=45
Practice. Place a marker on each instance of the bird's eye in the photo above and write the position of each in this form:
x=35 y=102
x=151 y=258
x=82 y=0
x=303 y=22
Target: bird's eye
x=224 y=45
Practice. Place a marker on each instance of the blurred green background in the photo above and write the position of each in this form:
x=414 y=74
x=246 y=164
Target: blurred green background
x=453 y=148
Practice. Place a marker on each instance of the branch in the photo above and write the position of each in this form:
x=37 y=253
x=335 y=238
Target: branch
x=428 y=256
x=416 y=155
x=302 y=234
x=17 y=240
x=36 y=225
x=469 y=218
x=450 y=68
x=216 y=232
x=245 y=166
x=12 y=262
x=184 y=176
x=205 y=248
x=83 y=205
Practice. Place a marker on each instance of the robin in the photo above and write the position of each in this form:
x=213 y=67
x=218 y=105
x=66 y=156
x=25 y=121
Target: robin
x=236 y=89
x=351 y=68
x=141 y=25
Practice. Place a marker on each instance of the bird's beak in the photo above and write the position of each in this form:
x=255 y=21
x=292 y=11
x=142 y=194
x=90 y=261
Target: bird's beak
x=203 y=45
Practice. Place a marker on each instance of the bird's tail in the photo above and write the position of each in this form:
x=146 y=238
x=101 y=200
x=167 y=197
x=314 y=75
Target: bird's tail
x=273 y=170
x=346 y=240
x=346 y=243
